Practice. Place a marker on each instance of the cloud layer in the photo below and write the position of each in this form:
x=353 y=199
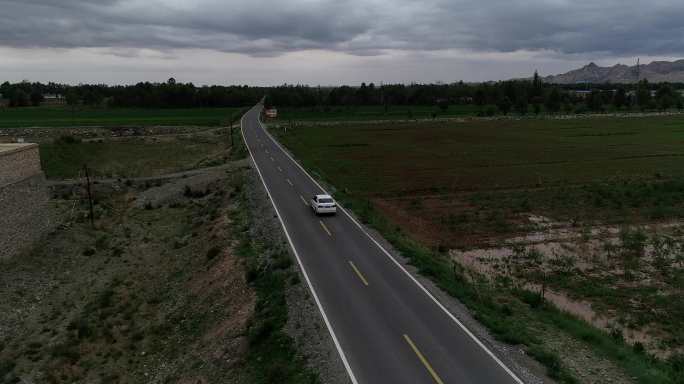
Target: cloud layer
x=358 y=27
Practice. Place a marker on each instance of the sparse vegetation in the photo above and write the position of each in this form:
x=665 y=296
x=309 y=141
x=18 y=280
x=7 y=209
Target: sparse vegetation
x=131 y=157
x=272 y=356
x=155 y=292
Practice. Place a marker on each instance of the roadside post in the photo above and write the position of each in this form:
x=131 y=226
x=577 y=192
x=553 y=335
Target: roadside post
x=90 y=196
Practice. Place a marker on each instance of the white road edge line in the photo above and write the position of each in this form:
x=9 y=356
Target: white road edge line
x=299 y=261
x=440 y=305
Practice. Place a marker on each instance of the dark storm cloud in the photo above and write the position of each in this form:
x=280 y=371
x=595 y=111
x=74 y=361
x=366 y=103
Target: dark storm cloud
x=362 y=27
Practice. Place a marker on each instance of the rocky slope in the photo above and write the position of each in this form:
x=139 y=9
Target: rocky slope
x=657 y=71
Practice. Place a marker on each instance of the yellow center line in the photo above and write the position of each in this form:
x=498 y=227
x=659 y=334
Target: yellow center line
x=291 y=185
x=358 y=273
x=303 y=200
x=325 y=228
x=423 y=360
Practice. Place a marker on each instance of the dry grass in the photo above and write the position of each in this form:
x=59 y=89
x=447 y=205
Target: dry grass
x=137 y=299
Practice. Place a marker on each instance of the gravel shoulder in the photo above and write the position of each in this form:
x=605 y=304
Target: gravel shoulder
x=304 y=322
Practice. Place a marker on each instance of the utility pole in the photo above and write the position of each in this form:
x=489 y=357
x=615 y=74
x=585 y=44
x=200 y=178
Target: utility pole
x=638 y=87
x=90 y=196
x=232 y=140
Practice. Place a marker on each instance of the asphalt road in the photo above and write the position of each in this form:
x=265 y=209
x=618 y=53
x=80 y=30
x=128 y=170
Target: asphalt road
x=385 y=325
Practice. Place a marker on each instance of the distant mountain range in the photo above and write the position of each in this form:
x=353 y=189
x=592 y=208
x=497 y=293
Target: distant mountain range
x=655 y=72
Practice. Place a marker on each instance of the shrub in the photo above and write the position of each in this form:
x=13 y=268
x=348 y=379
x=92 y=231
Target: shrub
x=252 y=274
x=6 y=366
x=213 y=252
x=65 y=351
x=638 y=347
x=282 y=262
x=67 y=139
x=553 y=365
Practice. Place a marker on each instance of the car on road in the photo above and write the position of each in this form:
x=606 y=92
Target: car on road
x=323 y=204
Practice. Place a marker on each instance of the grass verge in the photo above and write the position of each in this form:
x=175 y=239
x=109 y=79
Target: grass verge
x=272 y=356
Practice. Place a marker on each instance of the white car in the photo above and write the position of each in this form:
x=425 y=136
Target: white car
x=322 y=204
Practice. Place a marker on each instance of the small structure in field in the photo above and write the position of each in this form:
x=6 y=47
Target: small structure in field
x=271 y=113
x=50 y=99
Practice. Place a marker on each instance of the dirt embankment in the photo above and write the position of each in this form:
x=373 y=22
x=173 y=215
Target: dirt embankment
x=152 y=293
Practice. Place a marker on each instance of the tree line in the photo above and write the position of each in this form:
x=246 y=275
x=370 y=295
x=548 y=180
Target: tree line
x=502 y=97
x=170 y=94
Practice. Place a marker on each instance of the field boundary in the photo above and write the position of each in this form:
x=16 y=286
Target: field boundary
x=466 y=118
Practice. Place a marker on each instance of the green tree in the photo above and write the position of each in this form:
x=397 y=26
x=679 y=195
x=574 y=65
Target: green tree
x=19 y=98
x=537 y=86
x=72 y=98
x=521 y=101
x=36 y=98
x=665 y=97
x=643 y=95
x=620 y=98
x=536 y=107
x=553 y=101
x=505 y=105
x=480 y=97
x=595 y=101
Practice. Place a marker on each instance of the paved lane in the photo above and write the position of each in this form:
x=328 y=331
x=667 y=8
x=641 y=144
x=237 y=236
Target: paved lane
x=386 y=326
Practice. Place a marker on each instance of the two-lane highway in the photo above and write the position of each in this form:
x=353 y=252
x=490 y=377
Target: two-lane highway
x=385 y=325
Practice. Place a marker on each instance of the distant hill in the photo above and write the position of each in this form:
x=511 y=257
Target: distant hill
x=655 y=72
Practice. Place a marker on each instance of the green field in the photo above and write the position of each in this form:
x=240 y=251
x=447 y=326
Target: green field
x=360 y=113
x=399 y=158
x=65 y=116
x=130 y=158
x=455 y=182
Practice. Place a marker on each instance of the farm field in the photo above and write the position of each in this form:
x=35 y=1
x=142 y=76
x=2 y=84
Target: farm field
x=447 y=173
x=63 y=158
x=584 y=213
x=361 y=113
x=65 y=117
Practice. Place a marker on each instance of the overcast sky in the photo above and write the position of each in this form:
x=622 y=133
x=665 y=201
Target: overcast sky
x=264 y=42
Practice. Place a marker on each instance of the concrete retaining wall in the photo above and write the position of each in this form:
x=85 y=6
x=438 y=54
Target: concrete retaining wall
x=18 y=162
x=24 y=215
x=24 y=210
